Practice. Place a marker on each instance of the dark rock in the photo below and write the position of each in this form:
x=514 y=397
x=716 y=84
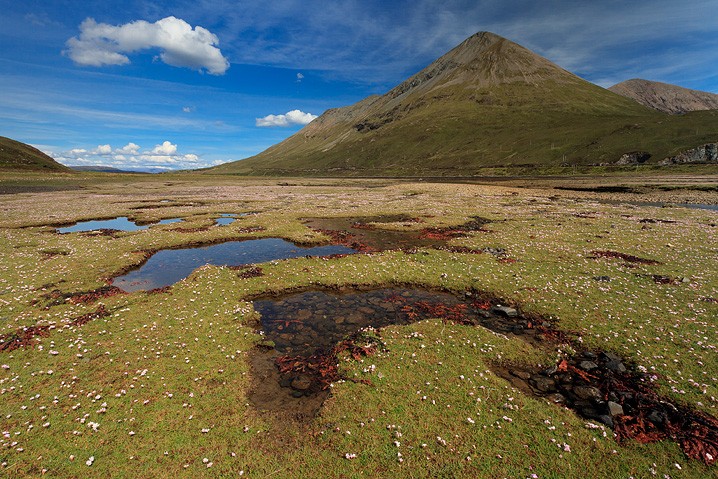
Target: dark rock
x=657 y=417
x=603 y=279
x=615 y=409
x=616 y=366
x=609 y=356
x=587 y=365
x=607 y=420
x=587 y=392
x=543 y=384
x=551 y=370
x=505 y=311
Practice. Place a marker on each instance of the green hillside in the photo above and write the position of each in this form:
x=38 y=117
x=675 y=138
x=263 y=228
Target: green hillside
x=488 y=103
x=19 y=156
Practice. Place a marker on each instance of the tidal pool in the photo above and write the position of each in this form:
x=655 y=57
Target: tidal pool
x=121 y=224
x=167 y=267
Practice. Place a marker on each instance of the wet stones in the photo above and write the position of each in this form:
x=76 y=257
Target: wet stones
x=543 y=384
x=304 y=323
x=505 y=311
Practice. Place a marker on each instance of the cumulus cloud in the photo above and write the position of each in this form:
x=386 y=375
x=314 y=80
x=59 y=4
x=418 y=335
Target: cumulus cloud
x=103 y=150
x=299 y=77
x=187 y=109
x=163 y=156
x=180 y=45
x=166 y=148
x=129 y=149
x=291 y=118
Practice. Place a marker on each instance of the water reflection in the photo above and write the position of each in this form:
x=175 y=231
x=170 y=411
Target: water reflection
x=120 y=224
x=167 y=267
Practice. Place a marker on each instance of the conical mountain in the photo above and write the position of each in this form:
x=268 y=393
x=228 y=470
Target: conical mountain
x=488 y=102
x=666 y=97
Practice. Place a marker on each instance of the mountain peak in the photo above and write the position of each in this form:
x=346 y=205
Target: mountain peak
x=483 y=60
x=665 y=97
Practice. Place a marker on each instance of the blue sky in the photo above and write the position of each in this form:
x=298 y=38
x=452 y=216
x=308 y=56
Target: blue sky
x=189 y=84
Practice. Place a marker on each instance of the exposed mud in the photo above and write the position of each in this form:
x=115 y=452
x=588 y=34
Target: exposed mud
x=625 y=257
x=25 y=337
x=363 y=234
x=57 y=297
x=22 y=338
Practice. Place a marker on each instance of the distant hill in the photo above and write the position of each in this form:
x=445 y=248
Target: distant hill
x=99 y=169
x=488 y=103
x=19 y=156
x=666 y=97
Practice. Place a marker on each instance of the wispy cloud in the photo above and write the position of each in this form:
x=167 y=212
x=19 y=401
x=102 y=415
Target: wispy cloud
x=181 y=45
x=381 y=43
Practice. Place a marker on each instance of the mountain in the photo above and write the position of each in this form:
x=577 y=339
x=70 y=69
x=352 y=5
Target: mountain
x=665 y=97
x=487 y=104
x=19 y=156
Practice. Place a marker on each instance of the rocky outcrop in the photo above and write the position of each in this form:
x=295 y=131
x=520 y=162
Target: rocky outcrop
x=633 y=158
x=707 y=153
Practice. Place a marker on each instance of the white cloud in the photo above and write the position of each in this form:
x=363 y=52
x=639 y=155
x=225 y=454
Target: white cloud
x=294 y=117
x=165 y=156
x=187 y=109
x=129 y=149
x=166 y=148
x=181 y=46
x=159 y=158
x=299 y=77
x=103 y=150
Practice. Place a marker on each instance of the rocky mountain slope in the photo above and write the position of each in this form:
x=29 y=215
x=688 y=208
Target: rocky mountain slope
x=488 y=103
x=665 y=97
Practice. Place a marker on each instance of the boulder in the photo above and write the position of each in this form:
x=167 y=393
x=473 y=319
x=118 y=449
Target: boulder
x=505 y=311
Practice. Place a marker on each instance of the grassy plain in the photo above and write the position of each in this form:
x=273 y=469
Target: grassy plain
x=158 y=388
